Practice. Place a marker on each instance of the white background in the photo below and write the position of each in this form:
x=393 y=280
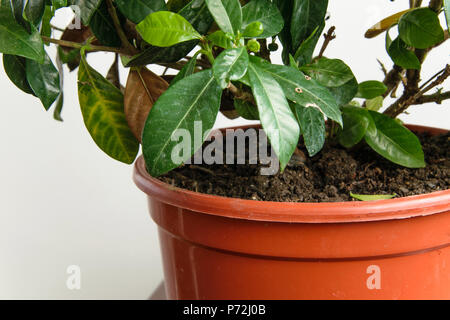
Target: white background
x=63 y=202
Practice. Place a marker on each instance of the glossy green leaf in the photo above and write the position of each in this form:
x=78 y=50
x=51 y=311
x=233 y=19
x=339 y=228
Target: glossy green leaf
x=402 y=56
x=345 y=93
x=230 y=65
x=371 y=89
x=394 y=142
x=301 y=89
x=365 y=197
x=275 y=114
x=307 y=15
x=46 y=29
x=374 y=104
x=191 y=101
x=197 y=13
x=44 y=80
x=305 y=52
x=137 y=10
x=265 y=12
x=60 y=100
x=86 y=8
x=187 y=70
x=15 y=40
x=227 y=14
x=329 y=72
x=221 y=39
x=356 y=122
x=420 y=28
x=15 y=68
x=34 y=10
x=103 y=113
x=17 y=7
x=165 y=29
x=312 y=127
x=103 y=28
x=246 y=110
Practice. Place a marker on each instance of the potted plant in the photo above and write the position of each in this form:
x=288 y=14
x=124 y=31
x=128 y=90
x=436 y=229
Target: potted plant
x=276 y=218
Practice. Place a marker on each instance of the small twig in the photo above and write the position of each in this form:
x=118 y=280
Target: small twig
x=78 y=45
x=437 y=97
x=329 y=36
x=433 y=77
x=383 y=68
x=56 y=28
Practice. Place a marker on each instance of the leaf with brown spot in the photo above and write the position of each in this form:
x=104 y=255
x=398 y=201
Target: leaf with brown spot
x=142 y=90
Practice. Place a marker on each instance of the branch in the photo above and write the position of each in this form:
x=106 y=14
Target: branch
x=329 y=36
x=438 y=97
x=78 y=45
x=419 y=97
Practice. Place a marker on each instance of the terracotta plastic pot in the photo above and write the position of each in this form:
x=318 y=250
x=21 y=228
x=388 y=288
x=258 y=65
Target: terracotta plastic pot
x=224 y=248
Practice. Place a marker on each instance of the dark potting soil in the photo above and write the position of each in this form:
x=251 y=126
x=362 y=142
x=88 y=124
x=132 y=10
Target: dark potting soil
x=329 y=176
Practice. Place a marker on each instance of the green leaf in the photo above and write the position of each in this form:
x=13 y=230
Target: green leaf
x=87 y=9
x=312 y=126
x=371 y=89
x=307 y=15
x=191 y=100
x=394 y=142
x=301 y=89
x=15 y=68
x=165 y=29
x=44 y=80
x=103 y=113
x=176 y=5
x=356 y=122
x=345 y=93
x=17 y=7
x=402 y=56
x=187 y=70
x=246 y=110
x=34 y=10
x=420 y=28
x=197 y=13
x=375 y=197
x=275 y=114
x=304 y=53
x=230 y=65
x=329 y=72
x=137 y=10
x=103 y=28
x=46 y=29
x=266 y=13
x=221 y=39
x=57 y=4
x=227 y=14
x=15 y=40
x=374 y=104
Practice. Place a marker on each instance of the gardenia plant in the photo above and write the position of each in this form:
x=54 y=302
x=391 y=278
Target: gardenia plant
x=230 y=70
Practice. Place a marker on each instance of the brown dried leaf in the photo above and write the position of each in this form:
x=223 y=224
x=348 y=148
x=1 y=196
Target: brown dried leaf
x=141 y=92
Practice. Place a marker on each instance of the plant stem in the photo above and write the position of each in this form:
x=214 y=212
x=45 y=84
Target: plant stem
x=78 y=45
x=329 y=36
x=123 y=38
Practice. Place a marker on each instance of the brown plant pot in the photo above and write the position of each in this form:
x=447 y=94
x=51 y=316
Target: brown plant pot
x=224 y=248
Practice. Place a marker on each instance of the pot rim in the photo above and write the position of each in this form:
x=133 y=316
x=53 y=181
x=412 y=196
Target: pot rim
x=294 y=212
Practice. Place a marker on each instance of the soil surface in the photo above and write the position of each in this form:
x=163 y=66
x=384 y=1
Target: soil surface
x=329 y=176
